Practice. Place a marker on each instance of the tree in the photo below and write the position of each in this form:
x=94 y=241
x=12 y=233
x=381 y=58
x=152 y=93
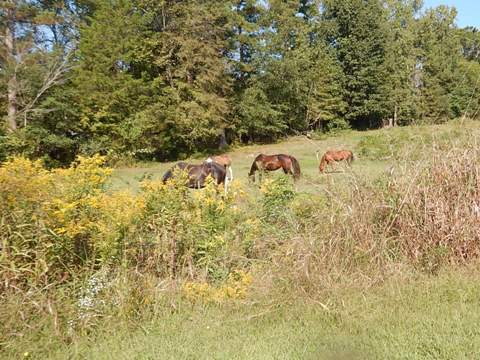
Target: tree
x=29 y=68
x=439 y=54
x=297 y=79
x=152 y=76
x=399 y=89
x=470 y=41
x=359 y=38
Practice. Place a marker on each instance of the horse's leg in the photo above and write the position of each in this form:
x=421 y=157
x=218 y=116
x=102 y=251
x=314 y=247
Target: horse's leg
x=332 y=166
x=287 y=171
x=231 y=172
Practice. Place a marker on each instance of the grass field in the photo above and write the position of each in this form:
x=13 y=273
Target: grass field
x=427 y=318
x=401 y=312
x=300 y=147
x=304 y=149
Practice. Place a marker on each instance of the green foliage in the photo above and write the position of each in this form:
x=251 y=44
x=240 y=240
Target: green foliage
x=257 y=119
x=77 y=254
x=168 y=79
x=400 y=88
x=278 y=193
x=376 y=147
x=464 y=99
x=438 y=58
x=360 y=28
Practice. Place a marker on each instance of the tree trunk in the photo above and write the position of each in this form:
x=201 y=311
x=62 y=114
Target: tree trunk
x=395 y=116
x=223 y=140
x=12 y=85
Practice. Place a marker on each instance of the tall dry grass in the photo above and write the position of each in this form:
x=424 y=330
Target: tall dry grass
x=147 y=253
x=421 y=215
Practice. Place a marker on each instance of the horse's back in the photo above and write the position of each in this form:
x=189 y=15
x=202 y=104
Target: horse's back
x=224 y=160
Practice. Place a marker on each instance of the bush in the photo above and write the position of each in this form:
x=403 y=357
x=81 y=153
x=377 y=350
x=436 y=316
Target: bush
x=54 y=223
x=377 y=147
x=436 y=210
x=102 y=253
x=277 y=194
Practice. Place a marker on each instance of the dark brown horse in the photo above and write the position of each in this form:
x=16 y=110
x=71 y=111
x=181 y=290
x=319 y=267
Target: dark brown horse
x=197 y=174
x=264 y=162
x=332 y=156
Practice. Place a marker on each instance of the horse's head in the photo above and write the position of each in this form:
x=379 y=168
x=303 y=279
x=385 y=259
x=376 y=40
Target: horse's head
x=217 y=171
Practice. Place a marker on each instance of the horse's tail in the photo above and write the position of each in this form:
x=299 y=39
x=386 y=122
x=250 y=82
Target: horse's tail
x=322 y=163
x=296 y=167
x=253 y=168
x=351 y=158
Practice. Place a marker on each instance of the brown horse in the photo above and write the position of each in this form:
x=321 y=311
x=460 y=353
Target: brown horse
x=332 y=156
x=225 y=161
x=264 y=162
x=197 y=174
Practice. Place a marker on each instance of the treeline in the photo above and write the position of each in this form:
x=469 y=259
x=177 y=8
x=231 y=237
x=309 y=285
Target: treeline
x=163 y=79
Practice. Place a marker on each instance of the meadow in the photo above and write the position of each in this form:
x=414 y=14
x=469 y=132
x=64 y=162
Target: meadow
x=376 y=261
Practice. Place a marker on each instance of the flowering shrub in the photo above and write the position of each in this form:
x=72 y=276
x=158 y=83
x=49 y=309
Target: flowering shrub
x=235 y=287
x=190 y=228
x=277 y=193
x=55 y=221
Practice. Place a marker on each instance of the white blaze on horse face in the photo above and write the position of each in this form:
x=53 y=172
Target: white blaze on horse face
x=209 y=160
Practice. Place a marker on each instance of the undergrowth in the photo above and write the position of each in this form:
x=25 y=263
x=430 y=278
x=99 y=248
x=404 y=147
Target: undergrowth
x=75 y=255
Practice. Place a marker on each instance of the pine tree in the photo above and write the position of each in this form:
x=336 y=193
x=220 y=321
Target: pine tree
x=360 y=41
x=399 y=89
x=152 y=75
x=439 y=53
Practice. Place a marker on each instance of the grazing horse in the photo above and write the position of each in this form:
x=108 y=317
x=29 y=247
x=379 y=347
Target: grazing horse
x=197 y=174
x=225 y=161
x=331 y=156
x=264 y=162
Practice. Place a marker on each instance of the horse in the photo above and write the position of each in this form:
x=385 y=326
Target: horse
x=331 y=156
x=197 y=174
x=264 y=162
x=225 y=161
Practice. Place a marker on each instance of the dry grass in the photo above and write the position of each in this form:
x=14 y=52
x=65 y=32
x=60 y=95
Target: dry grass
x=336 y=232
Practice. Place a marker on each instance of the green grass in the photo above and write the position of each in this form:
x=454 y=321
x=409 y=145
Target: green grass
x=410 y=316
x=304 y=150
x=425 y=318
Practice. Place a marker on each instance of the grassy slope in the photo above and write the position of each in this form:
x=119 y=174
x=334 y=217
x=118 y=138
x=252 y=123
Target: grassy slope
x=300 y=147
x=304 y=150
x=428 y=318
x=423 y=318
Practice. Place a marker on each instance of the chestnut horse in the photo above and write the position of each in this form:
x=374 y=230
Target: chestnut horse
x=332 y=156
x=197 y=174
x=264 y=162
x=225 y=161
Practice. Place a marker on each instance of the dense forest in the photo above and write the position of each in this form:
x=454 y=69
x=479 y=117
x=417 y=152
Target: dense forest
x=160 y=79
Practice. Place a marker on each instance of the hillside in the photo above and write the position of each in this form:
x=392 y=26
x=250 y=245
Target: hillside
x=375 y=151
x=377 y=261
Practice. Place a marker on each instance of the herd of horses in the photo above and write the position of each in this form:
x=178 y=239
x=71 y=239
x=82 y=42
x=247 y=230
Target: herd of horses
x=220 y=167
